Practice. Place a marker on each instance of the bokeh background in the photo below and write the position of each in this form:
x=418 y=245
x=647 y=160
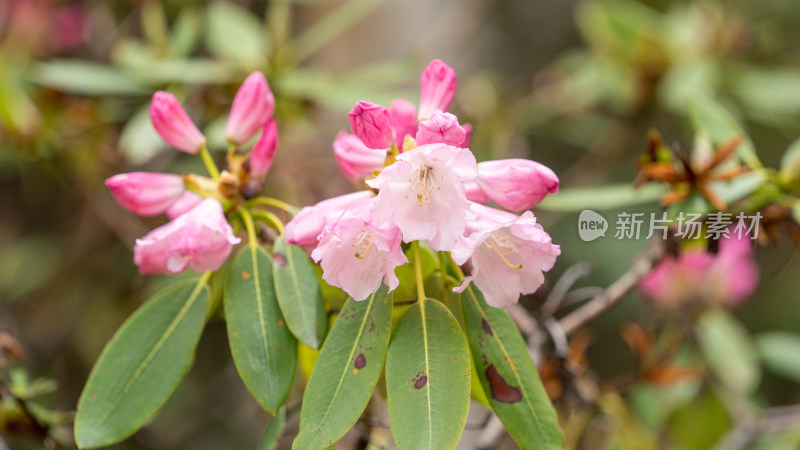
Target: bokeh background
x=575 y=85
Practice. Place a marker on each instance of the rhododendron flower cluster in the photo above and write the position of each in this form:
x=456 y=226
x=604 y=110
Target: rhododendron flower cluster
x=198 y=236
x=431 y=189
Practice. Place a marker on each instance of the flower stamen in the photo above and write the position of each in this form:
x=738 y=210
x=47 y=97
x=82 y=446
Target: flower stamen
x=498 y=243
x=362 y=243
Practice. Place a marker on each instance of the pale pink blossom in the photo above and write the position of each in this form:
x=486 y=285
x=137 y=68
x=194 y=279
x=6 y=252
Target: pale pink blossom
x=252 y=107
x=173 y=124
x=438 y=87
x=146 y=193
x=306 y=226
x=423 y=193
x=441 y=128
x=356 y=254
x=403 y=116
x=355 y=159
x=264 y=151
x=728 y=277
x=201 y=239
x=370 y=122
x=509 y=254
x=185 y=203
x=516 y=184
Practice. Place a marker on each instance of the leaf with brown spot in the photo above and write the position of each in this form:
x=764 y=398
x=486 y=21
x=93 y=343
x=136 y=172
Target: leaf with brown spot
x=346 y=372
x=509 y=377
x=428 y=389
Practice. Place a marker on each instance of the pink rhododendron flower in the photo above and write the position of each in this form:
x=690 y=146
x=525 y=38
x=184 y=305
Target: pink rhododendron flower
x=508 y=253
x=727 y=277
x=252 y=107
x=146 y=193
x=370 y=122
x=201 y=239
x=516 y=184
x=355 y=159
x=306 y=226
x=264 y=151
x=438 y=87
x=423 y=193
x=173 y=124
x=356 y=254
x=185 y=203
x=403 y=116
x=441 y=128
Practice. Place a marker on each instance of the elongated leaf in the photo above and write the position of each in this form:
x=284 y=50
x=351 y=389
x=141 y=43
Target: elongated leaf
x=346 y=372
x=601 y=197
x=142 y=365
x=508 y=375
x=81 y=77
x=299 y=294
x=708 y=116
x=427 y=378
x=234 y=32
x=779 y=351
x=273 y=432
x=263 y=349
x=729 y=351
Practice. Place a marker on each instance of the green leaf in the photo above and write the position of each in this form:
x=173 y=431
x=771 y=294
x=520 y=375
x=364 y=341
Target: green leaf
x=299 y=295
x=709 y=117
x=427 y=378
x=728 y=350
x=779 y=351
x=235 y=33
x=139 y=141
x=142 y=365
x=80 y=77
x=508 y=375
x=273 y=432
x=346 y=372
x=610 y=196
x=263 y=349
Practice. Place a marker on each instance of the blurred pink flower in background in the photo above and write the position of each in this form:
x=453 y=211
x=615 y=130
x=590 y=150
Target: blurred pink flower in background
x=728 y=277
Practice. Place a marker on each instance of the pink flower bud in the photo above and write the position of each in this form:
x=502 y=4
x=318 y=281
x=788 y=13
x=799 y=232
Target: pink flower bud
x=468 y=129
x=474 y=193
x=201 y=239
x=146 y=193
x=371 y=124
x=183 y=204
x=516 y=184
x=441 y=128
x=438 y=88
x=264 y=151
x=307 y=225
x=355 y=159
x=403 y=116
x=252 y=108
x=173 y=124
